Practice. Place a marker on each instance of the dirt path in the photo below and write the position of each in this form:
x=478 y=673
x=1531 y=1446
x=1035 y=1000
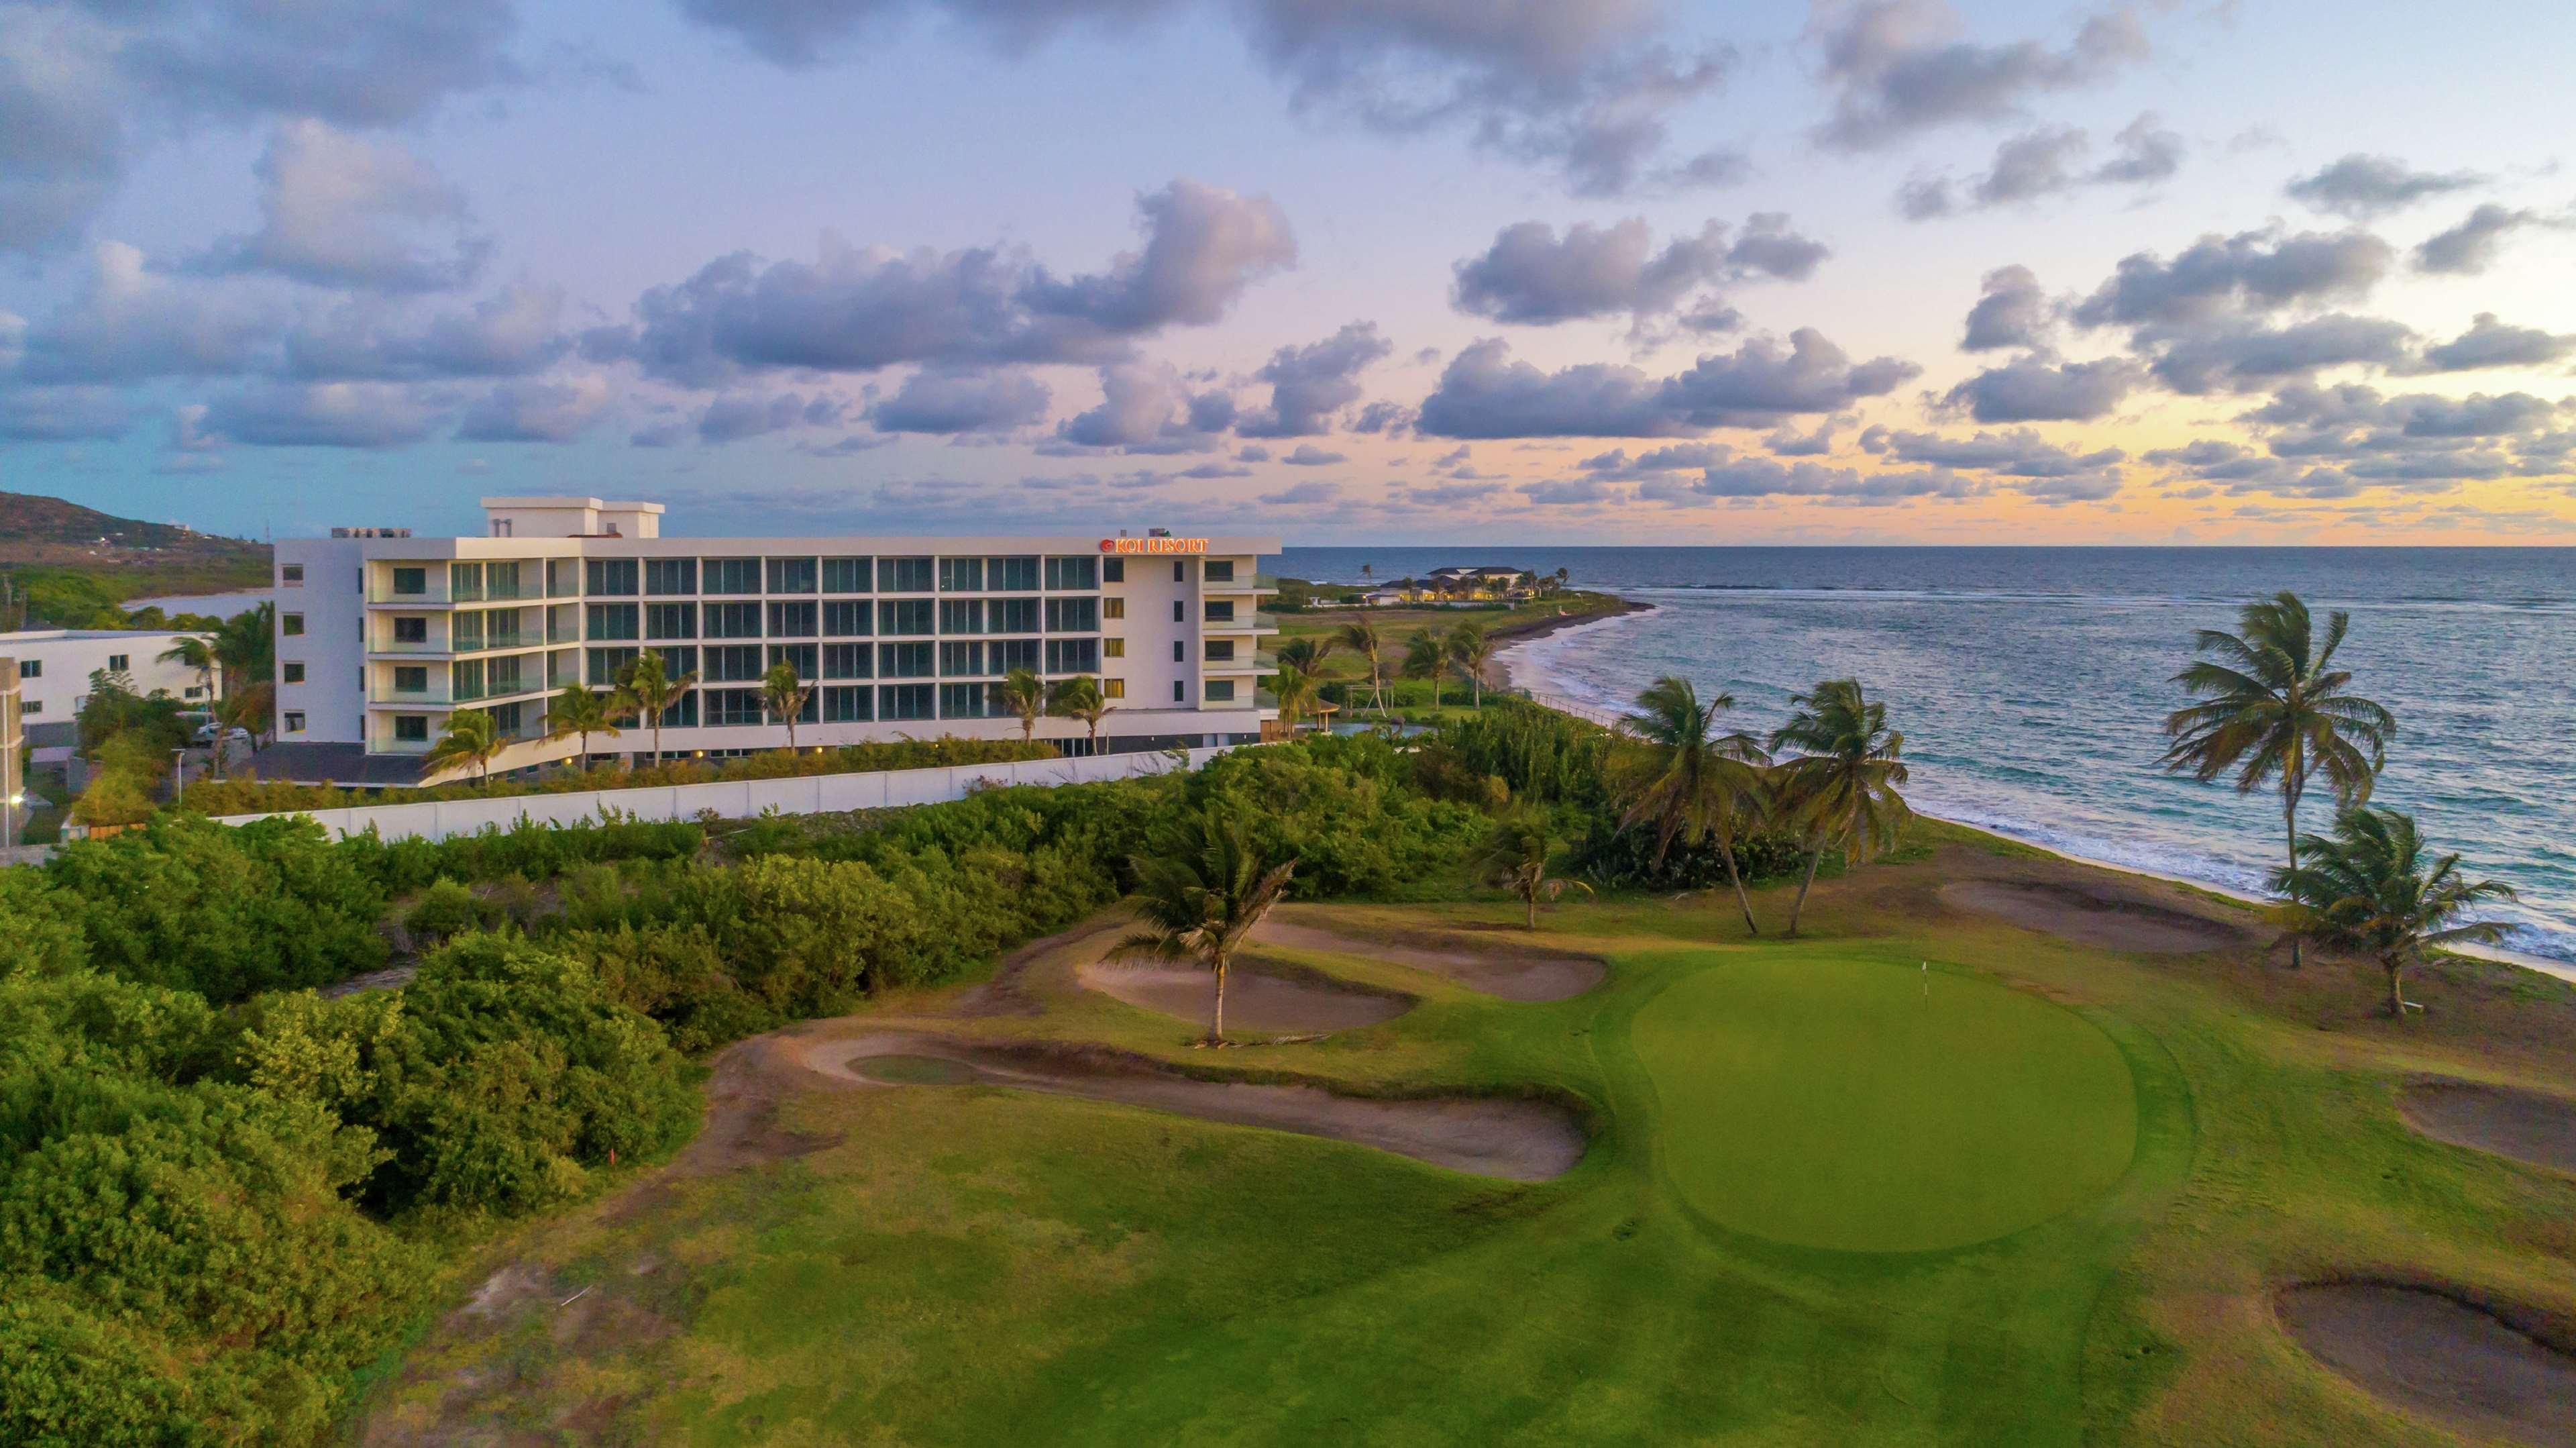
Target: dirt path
x=1518 y=1140
x=1510 y=972
x=2438 y=1357
x=2524 y=1125
x=2101 y=915
x=1256 y=999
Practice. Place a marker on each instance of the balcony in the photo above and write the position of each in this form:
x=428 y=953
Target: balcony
x=1242 y=622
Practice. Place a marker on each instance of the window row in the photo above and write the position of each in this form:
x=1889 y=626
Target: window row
x=682 y=577
x=838 y=618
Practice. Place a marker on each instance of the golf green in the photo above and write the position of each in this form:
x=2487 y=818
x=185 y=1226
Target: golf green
x=1876 y=1107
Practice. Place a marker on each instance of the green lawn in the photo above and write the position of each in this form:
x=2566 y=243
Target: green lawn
x=2114 y=1160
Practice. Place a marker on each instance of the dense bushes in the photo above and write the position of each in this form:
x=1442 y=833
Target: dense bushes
x=248 y=795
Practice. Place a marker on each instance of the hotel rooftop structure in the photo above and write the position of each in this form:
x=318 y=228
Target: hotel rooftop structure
x=383 y=637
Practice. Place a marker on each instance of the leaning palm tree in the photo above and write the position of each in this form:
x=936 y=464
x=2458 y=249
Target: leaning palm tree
x=1426 y=656
x=246 y=647
x=646 y=689
x=1024 y=694
x=783 y=694
x=2271 y=709
x=1514 y=855
x=1689 y=781
x=579 y=710
x=1295 y=692
x=1472 y=652
x=1846 y=776
x=1362 y=639
x=472 y=741
x=190 y=652
x=2369 y=888
x=1079 y=698
x=1199 y=893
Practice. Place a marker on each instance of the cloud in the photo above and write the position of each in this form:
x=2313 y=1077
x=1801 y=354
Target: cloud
x=2341 y=441
x=1585 y=86
x=2046 y=163
x=339 y=211
x=133 y=322
x=1895 y=68
x=1308 y=492
x=2242 y=356
x=2360 y=187
x=2012 y=312
x=63 y=140
x=322 y=414
x=511 y=333
x=535 y=411
x=2147 y=153
x=1485 y=393
x=1571 y=492
x=2021 y=453
x=1753 y=476
x=1144 y=407
x=1531 y=276
x=2470 y=247
x=1309 y=384
x=2033 y=389
x=939 y=401
x=1307 y=455
x=2250 y=271
x=63 y=414
x=732 y=417
x=2491 y=343
x=860 y=309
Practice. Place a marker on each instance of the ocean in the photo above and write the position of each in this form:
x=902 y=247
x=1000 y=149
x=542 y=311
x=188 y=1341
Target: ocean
x=2031 y=683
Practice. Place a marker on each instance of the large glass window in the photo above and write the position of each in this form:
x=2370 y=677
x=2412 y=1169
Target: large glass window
x=961 y=575
x=732 y=706
x=411 y=728
x=677 y=659
x=1113 y=570
x=847 y=703
x=684 y=714
x=730 y=575
x=1008 y=654
x=791 y=575
x=563 y=577
x=733 y=664
x=412 y=629
x=849 y=661
x=670 y=620
x=612 y=576
x=1013 y=575
x=1073 y=615
x=904 y=616
x=607 y=621
x=607 y=666
x=904 y=661
x=411 y=679
x=905 y=701
x=848 y=618
x=1220 y=610
x=465 y=679
x=732 y=620
x=804 y=656
x=1217 y=691
x=465 y=632
x=1218 y=651
x=792 y=620
x=961 y=615
x=1072 y=656
x=1077 y=572
x=1015 y=616
x=666 y=576
x=410 y=582
x=966 y=701
x=465 y=582
x=1220 y=570
x=846 y=575
x=904 y=575
x=961 y=660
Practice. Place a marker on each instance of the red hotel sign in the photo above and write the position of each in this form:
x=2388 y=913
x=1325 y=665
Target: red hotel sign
x=1153 y=545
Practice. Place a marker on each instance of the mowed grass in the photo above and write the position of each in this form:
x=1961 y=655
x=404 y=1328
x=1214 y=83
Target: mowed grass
x=974 y=1265
x=1868 y=1106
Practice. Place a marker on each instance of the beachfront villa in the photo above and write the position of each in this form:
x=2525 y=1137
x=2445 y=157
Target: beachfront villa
x=382 y=637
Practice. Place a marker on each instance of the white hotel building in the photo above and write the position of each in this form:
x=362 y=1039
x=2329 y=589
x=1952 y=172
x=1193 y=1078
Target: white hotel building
x=382 y=637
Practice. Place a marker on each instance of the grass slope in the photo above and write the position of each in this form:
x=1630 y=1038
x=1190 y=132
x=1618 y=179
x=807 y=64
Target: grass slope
x=969 y=1265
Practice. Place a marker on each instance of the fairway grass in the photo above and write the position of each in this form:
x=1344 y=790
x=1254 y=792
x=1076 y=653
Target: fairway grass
x=2052 y=1202
x=1874 y=1107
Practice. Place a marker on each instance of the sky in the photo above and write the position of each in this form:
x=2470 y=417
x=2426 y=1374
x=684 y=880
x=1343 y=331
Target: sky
x=1346 y=271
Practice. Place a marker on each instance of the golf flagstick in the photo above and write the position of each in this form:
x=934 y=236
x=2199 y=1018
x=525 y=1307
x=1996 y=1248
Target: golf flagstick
x=1927 y=980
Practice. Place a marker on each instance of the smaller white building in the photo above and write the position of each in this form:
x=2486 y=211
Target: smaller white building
x=54 y=665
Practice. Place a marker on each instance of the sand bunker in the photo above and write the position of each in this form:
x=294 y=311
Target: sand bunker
x=1498 y=970
x=2086 y=917
x=2438 y=1357
x=1256 y=1000
x=1523 y=1141
x=2524 y=1125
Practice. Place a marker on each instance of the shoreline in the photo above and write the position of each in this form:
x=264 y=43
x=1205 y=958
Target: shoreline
x=1498 y=674
x=2561 y=970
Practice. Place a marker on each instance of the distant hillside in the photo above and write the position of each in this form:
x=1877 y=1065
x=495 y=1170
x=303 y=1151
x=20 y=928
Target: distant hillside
x=68 y=566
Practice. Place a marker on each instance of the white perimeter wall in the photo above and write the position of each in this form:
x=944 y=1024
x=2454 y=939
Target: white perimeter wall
x=732 y=799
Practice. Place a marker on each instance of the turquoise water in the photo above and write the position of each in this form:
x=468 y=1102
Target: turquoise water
x=2031 y=683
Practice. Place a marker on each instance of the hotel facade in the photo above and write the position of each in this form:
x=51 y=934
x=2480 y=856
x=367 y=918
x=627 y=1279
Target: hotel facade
x=382 y=637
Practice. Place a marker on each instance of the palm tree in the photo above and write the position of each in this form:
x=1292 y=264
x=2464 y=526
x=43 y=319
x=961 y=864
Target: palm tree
x=2369 y=889
x=248 y=709
x=1845 y=783
x=246 y=647
x=580 y=710
x=1514 y=856
x=1690 y=781
x=191 y=652
x=1024 y=694
x=1426 y=656
x=1199 y=893
x=1472 y=651
x=647 y=689
x=2271 y=709
x=1296 y=695
x=472 y=740
x=1362 y=639
x=1080 y=698
x=784 y=694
